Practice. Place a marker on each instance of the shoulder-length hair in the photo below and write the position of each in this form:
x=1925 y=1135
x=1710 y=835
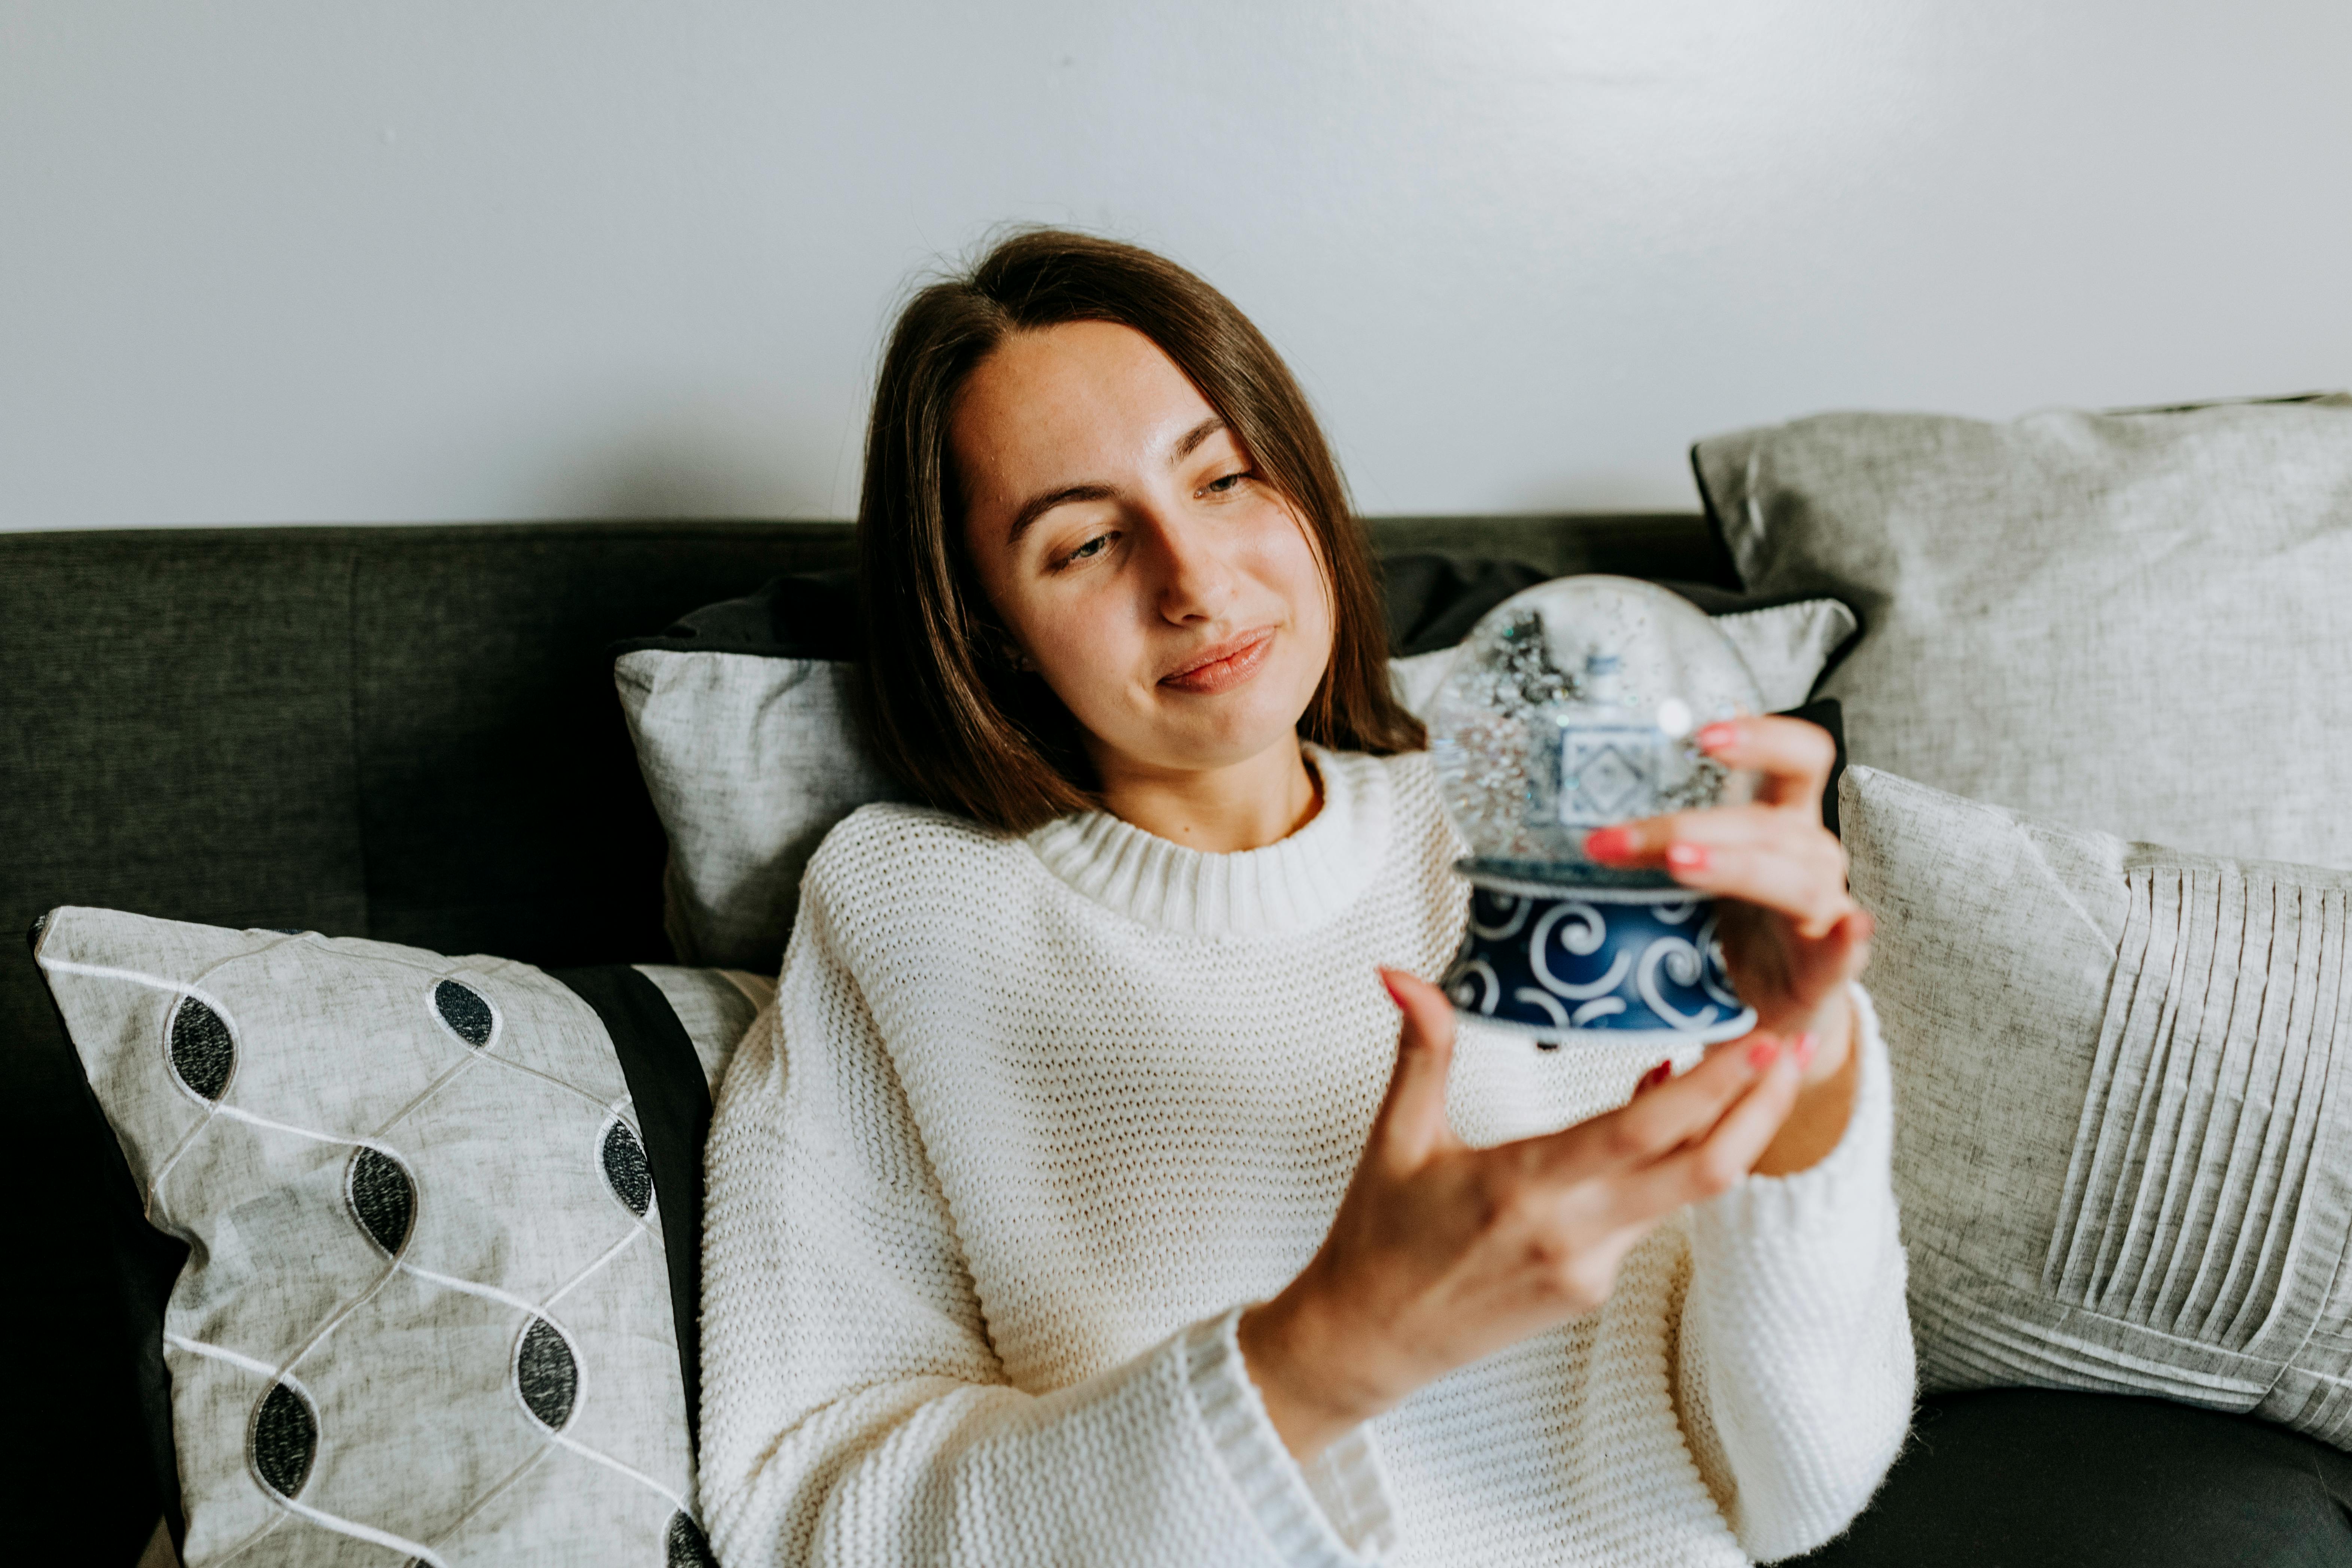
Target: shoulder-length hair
x=945 y=710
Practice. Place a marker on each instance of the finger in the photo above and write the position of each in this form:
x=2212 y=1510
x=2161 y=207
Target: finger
x=1644 y=841
x=1795 y=757
x=1799 y=880
x=1653 y=1125
x=1410 y=1125
x=1715 y=1163
x=1818 y=968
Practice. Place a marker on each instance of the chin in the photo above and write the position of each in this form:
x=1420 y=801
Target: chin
x=1242 y=733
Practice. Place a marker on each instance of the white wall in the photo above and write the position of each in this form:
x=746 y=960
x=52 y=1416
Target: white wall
x=409 y=259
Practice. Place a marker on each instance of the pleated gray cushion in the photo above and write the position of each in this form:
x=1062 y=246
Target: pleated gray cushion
x=2136 y=623
x=2123 y=1081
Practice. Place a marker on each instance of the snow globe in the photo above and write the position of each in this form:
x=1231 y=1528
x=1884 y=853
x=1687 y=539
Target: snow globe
x=1572 y=706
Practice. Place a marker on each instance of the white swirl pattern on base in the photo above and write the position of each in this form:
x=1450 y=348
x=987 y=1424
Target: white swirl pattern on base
x=1656 y=980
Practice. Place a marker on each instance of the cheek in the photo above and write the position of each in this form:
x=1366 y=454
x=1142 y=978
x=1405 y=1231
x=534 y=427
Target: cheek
x=1086 y=649
x=1301 y=581
x=1045 y=623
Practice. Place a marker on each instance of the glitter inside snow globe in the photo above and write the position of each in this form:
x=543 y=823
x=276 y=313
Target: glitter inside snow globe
x=1572 y=706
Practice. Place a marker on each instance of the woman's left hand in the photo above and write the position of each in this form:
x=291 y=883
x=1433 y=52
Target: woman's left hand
x=1792 y=936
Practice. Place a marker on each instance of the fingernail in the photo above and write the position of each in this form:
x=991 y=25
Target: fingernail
x=1803 y=1050
x=1763 y=1054
x=1686 y=856
x=1715 y=736
x=1387 y=983
x=1609 y=844
x=1655 y=1075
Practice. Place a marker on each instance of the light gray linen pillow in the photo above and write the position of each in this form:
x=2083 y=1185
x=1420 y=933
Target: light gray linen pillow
x=427 y=1312
x=2140 y=622
x=1784 y=646
x=752 y=759
x=2121 y=1078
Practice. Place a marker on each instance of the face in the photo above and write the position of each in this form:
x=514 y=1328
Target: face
x=1168 y=595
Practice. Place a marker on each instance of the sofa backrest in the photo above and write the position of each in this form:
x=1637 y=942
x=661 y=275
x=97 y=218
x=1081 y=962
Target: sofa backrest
x=404 y=732
x=409 y=732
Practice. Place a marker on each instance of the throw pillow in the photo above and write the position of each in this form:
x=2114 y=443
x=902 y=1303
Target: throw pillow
x=745 y=724
x=1784 y=646
x=2123 y=1083
x=2113 y=619
x=442 y=1218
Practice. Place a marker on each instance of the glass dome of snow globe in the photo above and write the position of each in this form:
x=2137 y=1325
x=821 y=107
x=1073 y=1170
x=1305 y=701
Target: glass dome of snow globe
x=1573 y=706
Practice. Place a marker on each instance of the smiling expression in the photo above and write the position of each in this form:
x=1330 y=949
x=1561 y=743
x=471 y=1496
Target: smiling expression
x=1163 y=590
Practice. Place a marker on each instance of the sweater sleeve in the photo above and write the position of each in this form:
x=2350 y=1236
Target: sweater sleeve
x=1795 y=1370
x=854 y=1408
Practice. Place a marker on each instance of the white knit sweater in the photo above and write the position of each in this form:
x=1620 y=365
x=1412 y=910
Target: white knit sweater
x=1031 y=1119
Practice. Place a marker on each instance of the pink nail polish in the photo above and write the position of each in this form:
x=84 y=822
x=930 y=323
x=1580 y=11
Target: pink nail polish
x=1763 y=1054
x=1803 y=1050
x=1655 y=1075
x=1717 y=735
x=1609 y=844
x=1686 y=856
x=1387 y=983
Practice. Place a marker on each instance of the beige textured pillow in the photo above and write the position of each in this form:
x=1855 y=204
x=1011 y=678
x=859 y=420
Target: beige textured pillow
x=2123 y=1091
x=751 y=759
x=1784 y=646
x=2138 y=623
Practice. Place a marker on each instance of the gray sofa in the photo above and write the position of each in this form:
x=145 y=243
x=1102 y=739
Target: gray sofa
x=410 y=733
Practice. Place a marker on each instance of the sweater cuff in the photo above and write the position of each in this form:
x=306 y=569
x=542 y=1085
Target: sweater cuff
x=1857 y=1171
x=1334 y=1513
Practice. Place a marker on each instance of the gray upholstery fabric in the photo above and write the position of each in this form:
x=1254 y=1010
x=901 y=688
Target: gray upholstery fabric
x=426 y=1312
x=2123 y=1138
x=751 y=759
x=2138 y=623
x=406 y=733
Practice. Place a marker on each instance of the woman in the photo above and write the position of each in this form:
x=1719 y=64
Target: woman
x=1057 y=1211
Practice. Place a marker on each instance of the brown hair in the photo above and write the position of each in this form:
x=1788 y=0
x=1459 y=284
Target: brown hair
x=944 y=709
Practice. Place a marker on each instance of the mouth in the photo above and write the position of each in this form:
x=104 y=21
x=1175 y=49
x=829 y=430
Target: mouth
x=1224 y=666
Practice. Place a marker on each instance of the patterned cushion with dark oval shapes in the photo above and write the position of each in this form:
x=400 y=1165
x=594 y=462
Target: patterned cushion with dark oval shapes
x=442 y=1216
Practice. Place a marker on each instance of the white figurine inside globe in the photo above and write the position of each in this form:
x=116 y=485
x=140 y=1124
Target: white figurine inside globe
x=1575 y=705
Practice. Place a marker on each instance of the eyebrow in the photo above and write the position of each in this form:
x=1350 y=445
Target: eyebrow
x=1195 y=435
x=1038 y=505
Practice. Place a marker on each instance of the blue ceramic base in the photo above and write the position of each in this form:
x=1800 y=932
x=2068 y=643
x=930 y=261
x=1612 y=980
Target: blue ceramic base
x=1626 y=965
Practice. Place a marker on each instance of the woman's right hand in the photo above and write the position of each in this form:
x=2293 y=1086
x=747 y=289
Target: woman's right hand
x=1442 y=1253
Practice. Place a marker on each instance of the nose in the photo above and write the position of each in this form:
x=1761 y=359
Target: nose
x=1196 y=581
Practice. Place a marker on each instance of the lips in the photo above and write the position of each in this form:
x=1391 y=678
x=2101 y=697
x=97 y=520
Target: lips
x=1222 y=666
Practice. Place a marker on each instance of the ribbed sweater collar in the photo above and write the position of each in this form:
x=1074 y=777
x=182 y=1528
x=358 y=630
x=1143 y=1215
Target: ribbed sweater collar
x=1294 y=885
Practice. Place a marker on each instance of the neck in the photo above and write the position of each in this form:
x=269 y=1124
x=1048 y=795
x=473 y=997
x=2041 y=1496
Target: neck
x=1243 y=805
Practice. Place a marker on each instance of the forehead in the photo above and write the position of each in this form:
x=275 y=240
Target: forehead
x=1068 y=404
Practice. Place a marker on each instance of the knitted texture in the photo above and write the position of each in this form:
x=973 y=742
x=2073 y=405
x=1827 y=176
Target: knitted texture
x=1031 y=1119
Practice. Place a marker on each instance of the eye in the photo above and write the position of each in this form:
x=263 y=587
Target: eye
x=1226 y=484
x=1087 y=552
